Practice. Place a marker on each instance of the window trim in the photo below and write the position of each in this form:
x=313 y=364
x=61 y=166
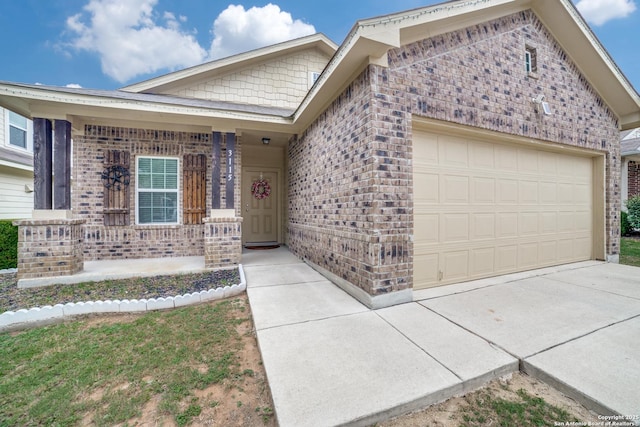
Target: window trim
x=148 y=190
x=531 y=61
x=7 y=133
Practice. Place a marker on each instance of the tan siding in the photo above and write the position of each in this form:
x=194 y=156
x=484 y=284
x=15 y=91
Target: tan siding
x=15 y=203
x=282 y=82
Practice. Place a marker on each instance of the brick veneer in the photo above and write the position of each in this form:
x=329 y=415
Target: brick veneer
x=138 y=241
x=222 y=242
x=633 y=177
x=49 y=248
x=350 y=195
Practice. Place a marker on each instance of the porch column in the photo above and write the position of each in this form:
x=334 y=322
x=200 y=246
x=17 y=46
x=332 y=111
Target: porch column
x=42 y=157
x=223 y=229
x=62 y=166
x=50 y=244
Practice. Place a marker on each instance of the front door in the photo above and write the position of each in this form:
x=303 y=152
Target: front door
x=259 y=206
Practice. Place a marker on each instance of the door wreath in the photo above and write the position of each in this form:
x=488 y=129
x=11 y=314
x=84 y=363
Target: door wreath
x=260 y=189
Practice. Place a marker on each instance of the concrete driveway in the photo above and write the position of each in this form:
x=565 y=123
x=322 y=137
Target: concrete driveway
x=332 y=361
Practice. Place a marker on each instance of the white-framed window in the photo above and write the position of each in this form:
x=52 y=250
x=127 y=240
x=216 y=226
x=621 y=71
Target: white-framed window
x=19 y=131
x=313 y=77
x=530 y=59
x=157 y=190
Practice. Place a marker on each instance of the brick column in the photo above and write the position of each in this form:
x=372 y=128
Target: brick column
x=49 y=247
x=222 y=241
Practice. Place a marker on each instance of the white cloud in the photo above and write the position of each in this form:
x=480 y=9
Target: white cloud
x=130 y=41
x=238 y=30
x=132 y=38
x=74 y=86
x=598 y=12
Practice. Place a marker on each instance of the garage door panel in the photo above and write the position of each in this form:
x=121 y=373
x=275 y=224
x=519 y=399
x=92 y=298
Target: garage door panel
x=482 y=155
x=507 y=191
x=455 y=189
x=425 y=269
x=482 y=261
x=453 y=151
x=455 y=227
x=483 y=208
x=528 y=192
x=456 y=265
x=549 y=193
x=507 y=225
x=548 y=222
x=506 y=158
x=427 y=229
x=483 y=226
x=548 y=252
x=506 y=258
x=528 y=161
x=528 y=224
x=484 y=190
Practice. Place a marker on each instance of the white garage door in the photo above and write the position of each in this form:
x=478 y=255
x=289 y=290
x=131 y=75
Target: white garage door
x=484 y=208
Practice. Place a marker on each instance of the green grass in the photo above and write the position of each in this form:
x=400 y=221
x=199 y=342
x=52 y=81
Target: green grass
x=58 y=375
x=630 y=251
x=527 y=411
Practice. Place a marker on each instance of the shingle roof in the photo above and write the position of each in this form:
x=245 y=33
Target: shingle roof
x=162 y=99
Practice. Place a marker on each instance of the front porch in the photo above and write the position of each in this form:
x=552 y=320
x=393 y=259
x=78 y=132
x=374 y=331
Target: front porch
x=95 y=271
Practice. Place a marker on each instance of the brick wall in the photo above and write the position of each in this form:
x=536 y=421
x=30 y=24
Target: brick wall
x=137 y=241
x=350 y=194
x=49 y=248
x=223 y=242
x=633 y=179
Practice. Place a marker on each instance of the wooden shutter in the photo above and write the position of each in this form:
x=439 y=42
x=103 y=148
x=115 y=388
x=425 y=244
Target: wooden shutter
x=194 y=194
x=116 y=197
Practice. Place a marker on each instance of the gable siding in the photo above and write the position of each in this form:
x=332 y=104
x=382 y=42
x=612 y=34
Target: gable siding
x=351 y=185
x=281 y=82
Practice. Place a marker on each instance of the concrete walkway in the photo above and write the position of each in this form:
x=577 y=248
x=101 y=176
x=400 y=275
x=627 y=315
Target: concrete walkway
x=332 y=361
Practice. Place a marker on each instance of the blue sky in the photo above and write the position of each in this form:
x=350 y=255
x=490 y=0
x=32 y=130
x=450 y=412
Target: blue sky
x=108 y=44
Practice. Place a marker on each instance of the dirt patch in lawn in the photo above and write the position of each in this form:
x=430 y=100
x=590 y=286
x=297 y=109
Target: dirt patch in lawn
x=492 y=405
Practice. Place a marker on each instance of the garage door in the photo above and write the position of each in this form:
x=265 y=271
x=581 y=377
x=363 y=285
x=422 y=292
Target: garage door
x=485 y=208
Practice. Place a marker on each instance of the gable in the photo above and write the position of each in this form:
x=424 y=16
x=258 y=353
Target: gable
x=277 y=82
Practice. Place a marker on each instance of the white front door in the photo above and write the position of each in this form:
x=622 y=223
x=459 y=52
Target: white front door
x=260 y=207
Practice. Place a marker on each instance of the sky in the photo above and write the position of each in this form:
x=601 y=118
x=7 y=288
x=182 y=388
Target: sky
x=108 y=44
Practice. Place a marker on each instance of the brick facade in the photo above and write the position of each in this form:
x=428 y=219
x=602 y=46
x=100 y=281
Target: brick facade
x=138 y=241
x=350 y=174
x=633 y=177
x=222 y=242
x=49 y=248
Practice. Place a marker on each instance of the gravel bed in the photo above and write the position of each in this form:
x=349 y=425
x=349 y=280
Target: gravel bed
x=12 y=298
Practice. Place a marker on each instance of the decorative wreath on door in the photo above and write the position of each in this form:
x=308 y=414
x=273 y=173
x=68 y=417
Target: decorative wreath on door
x=260 y=189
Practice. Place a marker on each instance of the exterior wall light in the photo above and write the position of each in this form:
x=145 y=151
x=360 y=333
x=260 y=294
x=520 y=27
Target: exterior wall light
x=539 y=101
x=266 y=141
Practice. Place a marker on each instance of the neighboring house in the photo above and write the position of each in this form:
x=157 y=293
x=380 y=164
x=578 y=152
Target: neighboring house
x=452 y=142
x=16 y=166
x=630 y=152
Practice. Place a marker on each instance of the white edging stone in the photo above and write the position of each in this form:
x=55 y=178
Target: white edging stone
x=160 y=303
x=13 y=320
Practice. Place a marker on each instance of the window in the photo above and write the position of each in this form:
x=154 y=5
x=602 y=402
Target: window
x=313 y=77
x=19 y=131
x=530 y=60
x=157 y=190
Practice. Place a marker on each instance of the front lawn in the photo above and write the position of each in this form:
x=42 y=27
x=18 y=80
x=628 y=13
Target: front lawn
x=172 y=367
x=630 y=251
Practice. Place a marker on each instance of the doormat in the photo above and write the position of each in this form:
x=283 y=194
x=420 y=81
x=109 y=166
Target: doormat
x=258 y=248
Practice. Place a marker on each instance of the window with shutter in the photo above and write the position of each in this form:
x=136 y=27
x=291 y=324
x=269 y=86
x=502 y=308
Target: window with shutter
x=115 y=180
x=194 y=195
